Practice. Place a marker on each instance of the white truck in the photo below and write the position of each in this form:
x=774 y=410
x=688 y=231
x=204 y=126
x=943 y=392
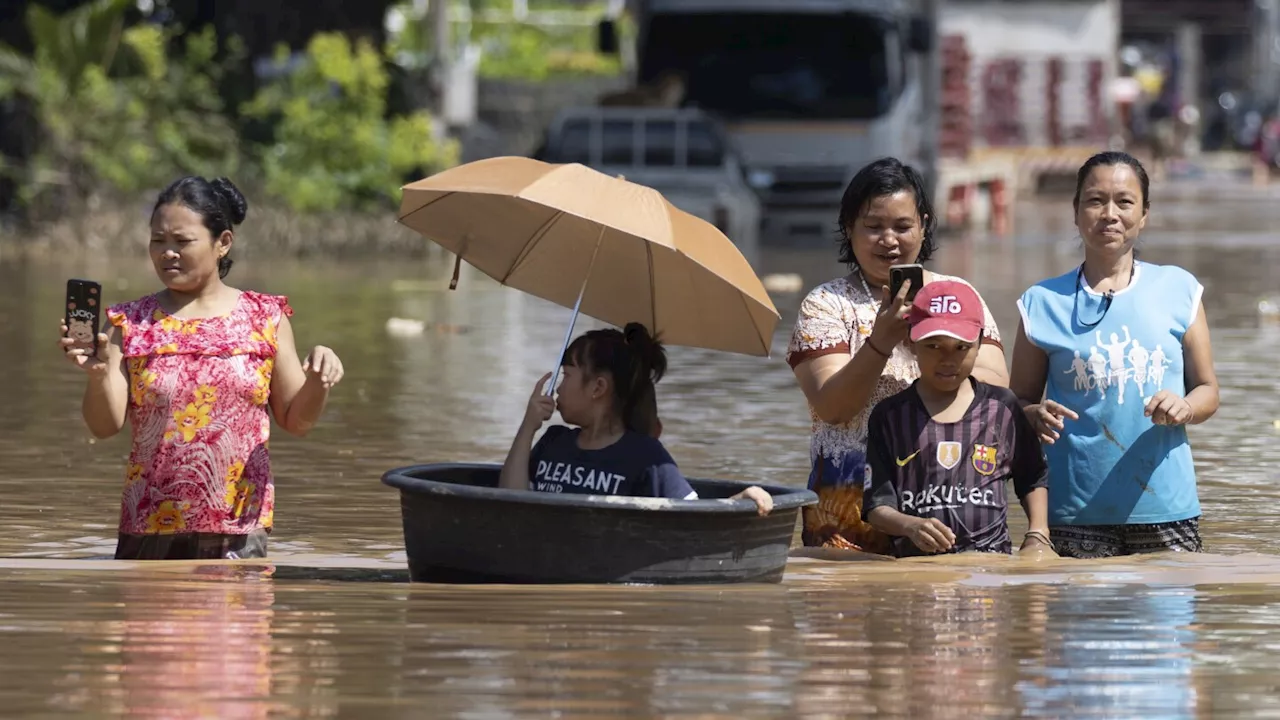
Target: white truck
x=809 y=90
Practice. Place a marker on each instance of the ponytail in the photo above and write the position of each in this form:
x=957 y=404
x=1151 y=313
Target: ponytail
x=648 y=365
x=636 y=361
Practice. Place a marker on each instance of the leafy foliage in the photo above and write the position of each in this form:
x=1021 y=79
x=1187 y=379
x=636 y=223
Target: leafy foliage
x=334 y=145
x=114 y=109
x=530 y=52
x=520 y=50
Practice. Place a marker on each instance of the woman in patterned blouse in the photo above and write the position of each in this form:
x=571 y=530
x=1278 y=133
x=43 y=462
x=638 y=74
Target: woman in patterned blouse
x=847 y=350
x=198 y=369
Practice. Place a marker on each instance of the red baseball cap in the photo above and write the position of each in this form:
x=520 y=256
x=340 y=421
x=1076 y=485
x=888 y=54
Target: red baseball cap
x=947 y=307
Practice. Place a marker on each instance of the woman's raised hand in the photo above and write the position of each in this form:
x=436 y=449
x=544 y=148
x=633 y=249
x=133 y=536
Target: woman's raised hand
x=323 y=365
x=84 y=357
x=891 y=326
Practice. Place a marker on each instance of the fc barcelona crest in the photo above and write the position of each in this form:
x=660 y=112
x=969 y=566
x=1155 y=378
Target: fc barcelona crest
x=948 y=454
x=984 y=459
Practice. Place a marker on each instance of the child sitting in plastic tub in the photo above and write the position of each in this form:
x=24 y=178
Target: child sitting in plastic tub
x=608 y=393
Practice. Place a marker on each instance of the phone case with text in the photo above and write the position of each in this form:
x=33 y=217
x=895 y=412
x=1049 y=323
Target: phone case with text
x=84 y=313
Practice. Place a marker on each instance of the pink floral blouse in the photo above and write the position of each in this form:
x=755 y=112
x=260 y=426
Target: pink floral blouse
x=198 y=411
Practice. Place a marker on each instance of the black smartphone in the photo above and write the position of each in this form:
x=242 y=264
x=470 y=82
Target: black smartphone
x=84 y=313
x=899 y=274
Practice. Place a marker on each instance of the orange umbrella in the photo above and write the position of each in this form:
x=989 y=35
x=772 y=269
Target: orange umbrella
x=611 y=249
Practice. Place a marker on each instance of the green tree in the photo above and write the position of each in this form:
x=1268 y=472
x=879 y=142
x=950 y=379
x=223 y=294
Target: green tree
x=334 y=146
x=116 y=114
x=519 y=50
x=529 y=52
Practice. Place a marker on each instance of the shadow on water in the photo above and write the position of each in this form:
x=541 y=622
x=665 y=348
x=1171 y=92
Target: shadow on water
x=330 y=627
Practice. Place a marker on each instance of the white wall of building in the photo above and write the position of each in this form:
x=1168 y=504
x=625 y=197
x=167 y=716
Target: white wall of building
x=1035 y=27
x=1034 y=31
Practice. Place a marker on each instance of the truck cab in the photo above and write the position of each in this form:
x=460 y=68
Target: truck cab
x=683 y=154
x=809 y=90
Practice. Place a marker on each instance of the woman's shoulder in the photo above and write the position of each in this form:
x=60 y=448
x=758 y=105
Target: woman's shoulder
x=833 y=297
x=1059 y=285
x=259 y=303
x=1175 y=274
x=133 y=311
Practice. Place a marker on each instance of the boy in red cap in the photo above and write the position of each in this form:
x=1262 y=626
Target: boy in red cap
x=939 y=452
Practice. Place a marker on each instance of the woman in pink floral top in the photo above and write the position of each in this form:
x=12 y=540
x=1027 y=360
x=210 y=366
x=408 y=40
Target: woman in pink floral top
x=198 y=369
x=847 y=349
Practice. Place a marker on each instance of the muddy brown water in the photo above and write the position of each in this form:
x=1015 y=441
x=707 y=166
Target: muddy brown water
x=329 y=627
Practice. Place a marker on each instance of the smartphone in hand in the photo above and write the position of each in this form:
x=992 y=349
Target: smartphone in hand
x=84 y=313
x=899 y=274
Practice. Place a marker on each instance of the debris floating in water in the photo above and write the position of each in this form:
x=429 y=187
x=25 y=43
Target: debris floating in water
x=1269 y=310
x=404 y=327
x=783 y=282
x=407 y=327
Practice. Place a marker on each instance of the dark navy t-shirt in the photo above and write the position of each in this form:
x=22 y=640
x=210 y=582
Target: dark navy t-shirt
x=636 y=465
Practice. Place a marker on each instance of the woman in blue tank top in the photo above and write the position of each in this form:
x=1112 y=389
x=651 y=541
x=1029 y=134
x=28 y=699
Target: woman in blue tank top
x=1112 y=362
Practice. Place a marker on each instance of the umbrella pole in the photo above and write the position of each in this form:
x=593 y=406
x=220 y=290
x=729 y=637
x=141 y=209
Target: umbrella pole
x=568 y=334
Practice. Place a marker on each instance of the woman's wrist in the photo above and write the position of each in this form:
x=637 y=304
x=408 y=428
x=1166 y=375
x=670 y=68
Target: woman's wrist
x=99 y=377
x=871 y=343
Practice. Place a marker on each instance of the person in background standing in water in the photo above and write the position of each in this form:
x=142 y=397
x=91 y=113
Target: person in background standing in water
x=194 y=368
x=847 y=349
x=609 y=392
x=1121 y=480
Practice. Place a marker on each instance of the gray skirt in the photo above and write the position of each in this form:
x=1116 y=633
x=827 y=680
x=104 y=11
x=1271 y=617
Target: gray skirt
x=192 y=546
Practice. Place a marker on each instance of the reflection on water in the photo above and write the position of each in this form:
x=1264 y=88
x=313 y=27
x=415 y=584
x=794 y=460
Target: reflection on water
x=329 y=627
x=194 y=642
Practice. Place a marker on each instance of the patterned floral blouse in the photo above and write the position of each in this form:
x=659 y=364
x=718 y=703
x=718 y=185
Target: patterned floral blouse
x=198 y=411
x=836 y=318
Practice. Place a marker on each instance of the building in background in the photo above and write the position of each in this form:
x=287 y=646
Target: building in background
x=1026 y=88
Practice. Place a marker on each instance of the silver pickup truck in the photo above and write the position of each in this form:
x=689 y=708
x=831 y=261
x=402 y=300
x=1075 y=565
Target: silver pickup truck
x=683 y=154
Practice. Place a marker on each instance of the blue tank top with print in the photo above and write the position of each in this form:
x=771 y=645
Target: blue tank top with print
x=1114 y=466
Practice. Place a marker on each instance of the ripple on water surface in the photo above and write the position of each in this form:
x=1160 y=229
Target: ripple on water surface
x=329 y=627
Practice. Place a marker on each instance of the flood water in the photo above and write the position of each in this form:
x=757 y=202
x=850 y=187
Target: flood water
x=329 y=627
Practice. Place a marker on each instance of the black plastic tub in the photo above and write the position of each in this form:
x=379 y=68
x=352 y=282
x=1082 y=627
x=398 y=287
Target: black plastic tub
x=459 y=527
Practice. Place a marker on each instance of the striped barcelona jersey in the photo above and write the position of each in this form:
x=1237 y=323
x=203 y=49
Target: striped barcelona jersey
x=954 y=472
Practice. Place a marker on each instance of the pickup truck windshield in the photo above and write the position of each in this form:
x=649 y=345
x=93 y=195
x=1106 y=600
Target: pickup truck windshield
x=773 y=65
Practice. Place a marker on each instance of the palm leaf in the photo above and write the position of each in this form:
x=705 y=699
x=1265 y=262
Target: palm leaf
x=17 y=72
x=71 y=42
